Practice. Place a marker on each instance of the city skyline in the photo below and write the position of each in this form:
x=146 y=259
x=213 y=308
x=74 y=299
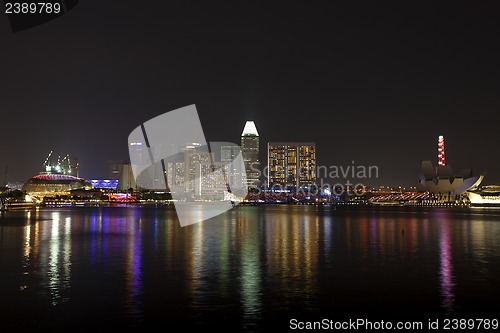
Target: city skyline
x=249 y=166
x=321 y=175
x=366 y=83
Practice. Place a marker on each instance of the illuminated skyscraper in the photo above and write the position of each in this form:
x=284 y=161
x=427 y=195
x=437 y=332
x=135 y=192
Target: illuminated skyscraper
x=210 y=180
x=194 y=154
x=152 y=175
x=126 y=178
x=291 y=164
x=114 y=169
x=250 y=152
x=234 y=174
x=441 y=156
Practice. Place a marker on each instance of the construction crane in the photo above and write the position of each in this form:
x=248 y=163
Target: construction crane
x=47 y=159
x=66 y=167
x=62 y=165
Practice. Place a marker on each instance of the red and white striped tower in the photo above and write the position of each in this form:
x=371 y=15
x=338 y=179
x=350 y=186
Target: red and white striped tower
x=441 y=157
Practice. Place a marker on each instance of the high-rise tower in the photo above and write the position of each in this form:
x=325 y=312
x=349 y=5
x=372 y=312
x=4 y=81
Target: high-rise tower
x=250 y=153
x=441 y=156
x=291 y=164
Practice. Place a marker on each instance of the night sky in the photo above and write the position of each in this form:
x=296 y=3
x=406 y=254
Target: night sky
x=375 y=81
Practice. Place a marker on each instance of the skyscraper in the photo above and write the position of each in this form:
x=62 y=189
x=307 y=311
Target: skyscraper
x=291 y=164
x=149 y=175
x=234 y=171
x=114 y=169
x=194 y=154
x=126 y=178
x=250 y=152
x=211 y=181
x=441 y=156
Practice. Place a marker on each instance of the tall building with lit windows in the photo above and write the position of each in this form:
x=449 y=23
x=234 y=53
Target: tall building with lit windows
x=211 y=180
x=250 y=152
x=152 y=175
x=126 y=178
x=194 y=154
x=291 y=164
x=234 y=170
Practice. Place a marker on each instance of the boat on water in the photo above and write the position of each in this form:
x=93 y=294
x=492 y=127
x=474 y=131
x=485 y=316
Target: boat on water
x=488 y=195
x=11 y=205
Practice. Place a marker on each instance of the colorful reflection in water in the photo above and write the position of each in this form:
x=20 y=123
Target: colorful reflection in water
x=247 y=268
x=446 y=263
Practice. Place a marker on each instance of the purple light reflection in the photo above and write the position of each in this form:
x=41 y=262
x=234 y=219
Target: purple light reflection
x=447 y=280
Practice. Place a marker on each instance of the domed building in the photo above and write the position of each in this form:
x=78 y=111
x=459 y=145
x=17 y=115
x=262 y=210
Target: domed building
x=50 y=184
x=57 y=179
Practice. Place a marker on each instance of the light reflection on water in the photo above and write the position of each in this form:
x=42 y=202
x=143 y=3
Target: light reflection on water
x=446 y=271
x=251 y=275
x=249 y=266
x=133 y=303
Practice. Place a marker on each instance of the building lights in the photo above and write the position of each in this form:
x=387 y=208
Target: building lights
x=441 y=155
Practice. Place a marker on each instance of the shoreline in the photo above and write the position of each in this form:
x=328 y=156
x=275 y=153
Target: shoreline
x=19 y=206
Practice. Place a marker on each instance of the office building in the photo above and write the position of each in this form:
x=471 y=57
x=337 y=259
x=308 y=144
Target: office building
x=210 y=181
x=250 y=151
x=291 y=164
x=235 y=174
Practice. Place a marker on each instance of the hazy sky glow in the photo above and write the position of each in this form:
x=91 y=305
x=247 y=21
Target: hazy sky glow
x=374 y=83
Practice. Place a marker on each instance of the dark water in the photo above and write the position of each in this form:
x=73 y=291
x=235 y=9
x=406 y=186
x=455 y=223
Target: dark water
x=250 y=269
